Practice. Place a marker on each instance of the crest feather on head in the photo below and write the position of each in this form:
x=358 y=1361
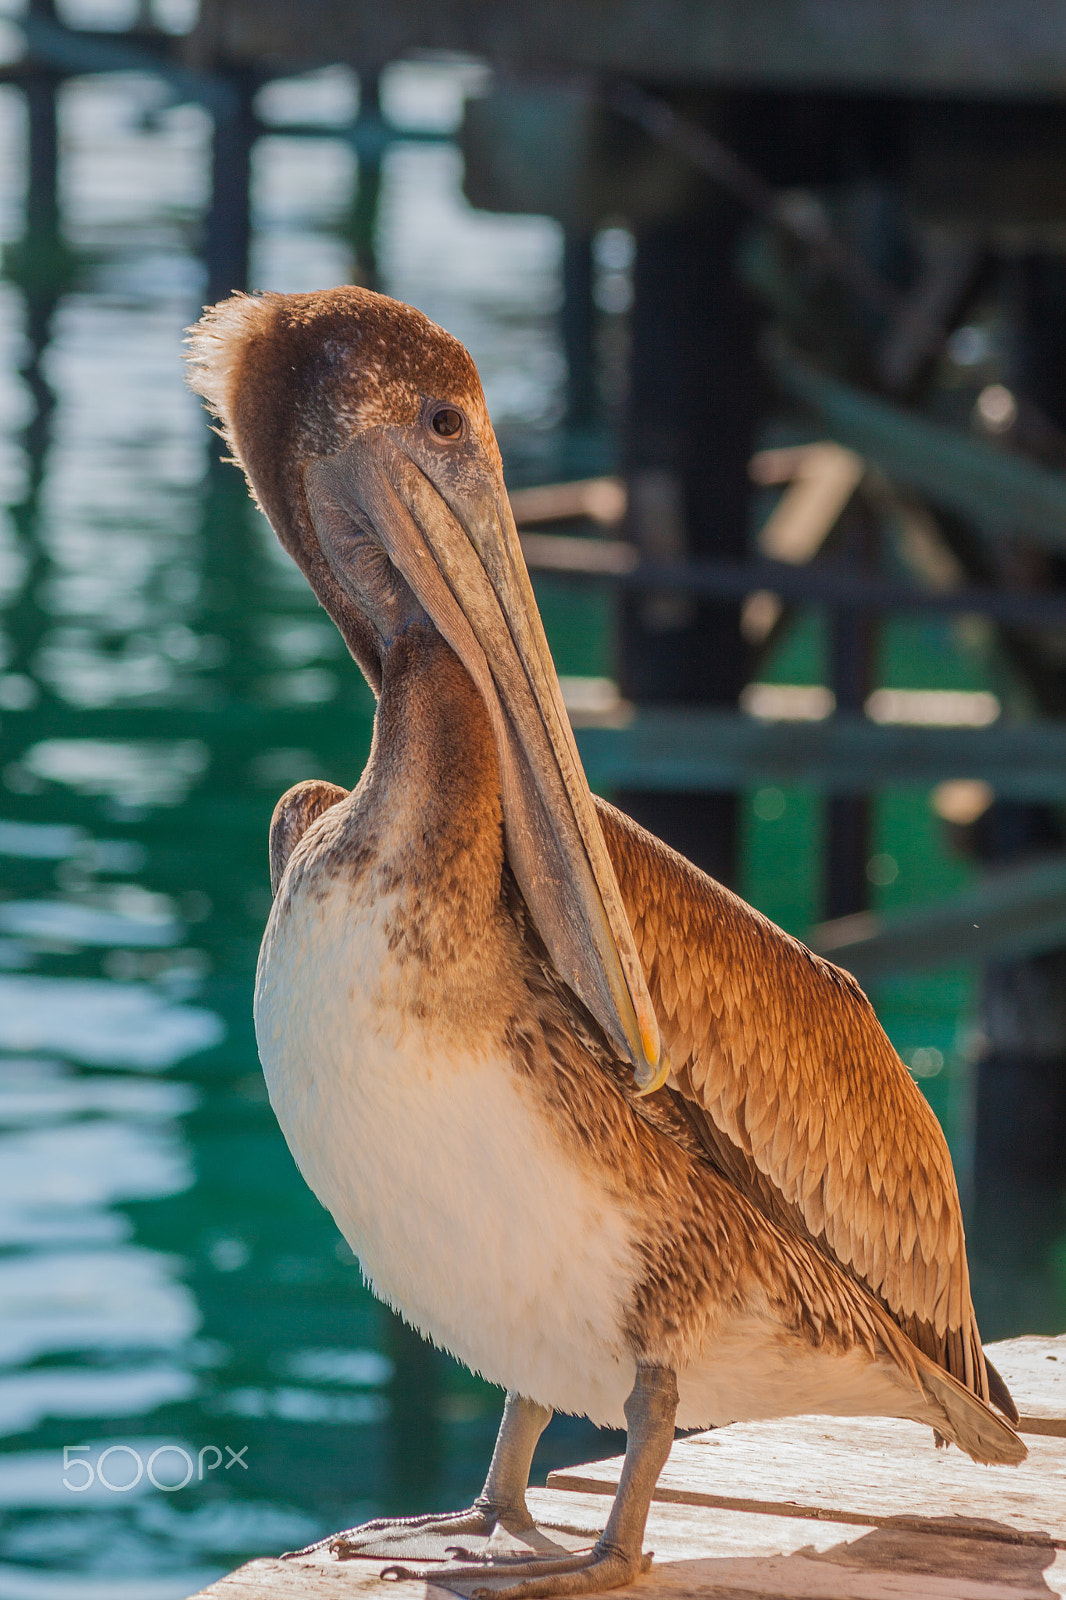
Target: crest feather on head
x=293 y=377
x=216 y=346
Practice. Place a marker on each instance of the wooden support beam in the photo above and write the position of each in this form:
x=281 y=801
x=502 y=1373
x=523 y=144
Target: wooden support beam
x=228 y=224
x=1015 y=911
x=892 y=46
x=687 y=443
x=996 y=490
x=694 y=750
x=78 y=51
x=829 y=584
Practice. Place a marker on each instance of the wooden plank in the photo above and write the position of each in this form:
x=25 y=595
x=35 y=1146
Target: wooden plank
x=1034 y=1369
x=267 y=1579
x=602 y=500
x=858 y=1469
x=708 y=1552
x=320 y=1574
x=675 y=1530
x=704 y=1551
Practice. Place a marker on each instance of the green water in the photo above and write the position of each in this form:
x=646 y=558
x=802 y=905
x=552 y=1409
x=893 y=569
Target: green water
x=167 y=1282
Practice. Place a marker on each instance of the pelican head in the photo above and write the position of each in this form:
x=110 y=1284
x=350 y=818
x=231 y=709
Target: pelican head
x=363 y=432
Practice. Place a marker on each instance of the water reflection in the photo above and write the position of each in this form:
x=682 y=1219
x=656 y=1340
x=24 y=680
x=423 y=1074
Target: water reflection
x=166 y=1280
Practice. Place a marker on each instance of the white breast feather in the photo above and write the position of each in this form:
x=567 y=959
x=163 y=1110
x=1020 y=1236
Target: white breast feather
x=460 y=1205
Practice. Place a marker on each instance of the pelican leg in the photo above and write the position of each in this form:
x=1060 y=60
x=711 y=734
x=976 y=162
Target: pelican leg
x=501 y=1503
x=616 y=1558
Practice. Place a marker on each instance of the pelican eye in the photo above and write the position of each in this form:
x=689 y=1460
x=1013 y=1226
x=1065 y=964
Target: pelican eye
x=446 y=422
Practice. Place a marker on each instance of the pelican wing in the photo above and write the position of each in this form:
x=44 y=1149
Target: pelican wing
x=798 y=1096
x=293 y=815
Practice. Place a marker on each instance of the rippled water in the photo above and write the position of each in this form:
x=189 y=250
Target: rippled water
x=174 y=1301
x=175 y=1304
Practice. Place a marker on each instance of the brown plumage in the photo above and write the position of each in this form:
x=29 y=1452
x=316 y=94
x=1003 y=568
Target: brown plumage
x=647 y=1144
x=722 y=1231
x=790 y=1082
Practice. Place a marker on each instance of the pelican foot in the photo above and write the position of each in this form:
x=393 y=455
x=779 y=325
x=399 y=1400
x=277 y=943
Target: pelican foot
x=537 y=1577
x=616 y=1558
x=498 y=1516
x=427 y=1538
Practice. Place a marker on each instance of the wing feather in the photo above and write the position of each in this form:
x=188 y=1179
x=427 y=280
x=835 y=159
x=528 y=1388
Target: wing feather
x=293 y=815
x=795 y=1091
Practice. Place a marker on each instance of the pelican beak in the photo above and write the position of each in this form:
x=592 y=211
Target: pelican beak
x=452 y=537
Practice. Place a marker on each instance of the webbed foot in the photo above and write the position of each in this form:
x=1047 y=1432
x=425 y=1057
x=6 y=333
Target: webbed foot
x=616 y=1558
x=534 y=1577
x=427 y=1538
x=499 y=1513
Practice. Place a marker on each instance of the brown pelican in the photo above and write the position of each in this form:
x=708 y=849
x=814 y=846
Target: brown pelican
x=589 y=1121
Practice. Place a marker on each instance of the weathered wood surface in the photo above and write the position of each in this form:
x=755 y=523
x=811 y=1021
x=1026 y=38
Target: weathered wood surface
x=726 y=1554
x=856 y=1469
x=804 y=1509
x=704 y=1551
x=1035 y=1372
x=720 y=1554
